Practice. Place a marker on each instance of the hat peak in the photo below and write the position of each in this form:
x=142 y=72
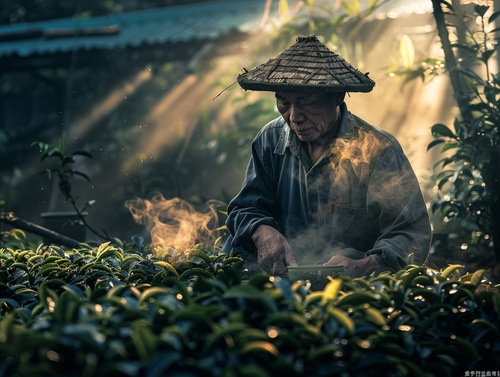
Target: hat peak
x=306 y=37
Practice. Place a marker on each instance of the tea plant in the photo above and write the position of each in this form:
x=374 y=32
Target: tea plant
x=117 y=310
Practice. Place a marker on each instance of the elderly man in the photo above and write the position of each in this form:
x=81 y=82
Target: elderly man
x=323 y=186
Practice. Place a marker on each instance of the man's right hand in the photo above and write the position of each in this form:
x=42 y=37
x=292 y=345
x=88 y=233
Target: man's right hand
x=274 y=253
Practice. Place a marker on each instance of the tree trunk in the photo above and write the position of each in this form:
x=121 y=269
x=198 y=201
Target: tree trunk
x=460 y=89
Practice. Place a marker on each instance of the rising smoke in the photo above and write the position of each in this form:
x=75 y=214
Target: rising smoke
x=176 y=224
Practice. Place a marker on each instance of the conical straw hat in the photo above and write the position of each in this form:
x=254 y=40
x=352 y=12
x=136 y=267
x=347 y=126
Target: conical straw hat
x=307 y=64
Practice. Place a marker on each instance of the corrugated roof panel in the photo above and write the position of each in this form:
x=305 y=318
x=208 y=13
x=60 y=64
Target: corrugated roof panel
x=173 y=24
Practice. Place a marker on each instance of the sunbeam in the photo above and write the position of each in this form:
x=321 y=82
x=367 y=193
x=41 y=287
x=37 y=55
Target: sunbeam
x=108 y=104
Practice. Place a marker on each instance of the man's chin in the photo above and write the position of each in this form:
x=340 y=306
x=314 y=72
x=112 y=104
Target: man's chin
x=306 y=136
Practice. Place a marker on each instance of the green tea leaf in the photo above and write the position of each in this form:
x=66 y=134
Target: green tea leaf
x=167 y=266
x=323 y=353
x=9 y=303
x=442 y=130
x=195 y=272
x=375 y=316
x=341 y=317
x=448 y=271
x=144 y=340
x=220 y=333
x=434 y=143
x=250 y=293
x=200 y=254
x=257 y=347
x=476 y=278
x=152 y=292
x=352 y=299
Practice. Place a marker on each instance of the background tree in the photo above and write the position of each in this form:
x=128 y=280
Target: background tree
x=468 y=178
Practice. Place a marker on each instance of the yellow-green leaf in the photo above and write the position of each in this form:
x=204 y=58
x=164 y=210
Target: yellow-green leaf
x=375 y=316
x=407 y=51
x=448 y=271
x=331 y=290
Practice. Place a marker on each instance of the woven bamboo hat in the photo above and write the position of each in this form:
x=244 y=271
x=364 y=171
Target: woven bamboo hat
x=307 y=64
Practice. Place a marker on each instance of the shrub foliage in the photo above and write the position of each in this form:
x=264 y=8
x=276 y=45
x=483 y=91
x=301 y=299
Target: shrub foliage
x=115 y=310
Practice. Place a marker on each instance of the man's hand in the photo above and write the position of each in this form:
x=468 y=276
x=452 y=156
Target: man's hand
x=355 y=267
x=274 y=253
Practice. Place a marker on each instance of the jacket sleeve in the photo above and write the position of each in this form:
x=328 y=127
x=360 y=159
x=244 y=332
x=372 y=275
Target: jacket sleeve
x=253 y=205
x=395 y=201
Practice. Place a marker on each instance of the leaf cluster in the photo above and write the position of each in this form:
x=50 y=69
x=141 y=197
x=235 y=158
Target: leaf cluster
x=64 y=173
x=111 y=310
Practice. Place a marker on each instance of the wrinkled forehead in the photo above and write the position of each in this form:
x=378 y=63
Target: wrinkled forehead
x=298 y=95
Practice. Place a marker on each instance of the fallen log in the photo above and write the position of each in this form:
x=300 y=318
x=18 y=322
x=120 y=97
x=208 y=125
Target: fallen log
x=48 y=234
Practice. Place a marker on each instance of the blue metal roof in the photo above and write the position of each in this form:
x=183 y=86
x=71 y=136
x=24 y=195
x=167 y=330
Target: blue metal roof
x=174 y=24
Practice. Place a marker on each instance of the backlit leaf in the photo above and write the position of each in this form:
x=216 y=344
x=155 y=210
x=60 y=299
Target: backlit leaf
x=407 y=51
x=260 y=347
x=331 y=290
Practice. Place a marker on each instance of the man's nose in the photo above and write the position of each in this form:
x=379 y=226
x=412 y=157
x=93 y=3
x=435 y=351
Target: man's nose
x=296 y=113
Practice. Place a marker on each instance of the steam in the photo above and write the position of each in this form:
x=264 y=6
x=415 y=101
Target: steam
x=174 y=223
x=353 y=156
x=352 y=159
x=342 y=197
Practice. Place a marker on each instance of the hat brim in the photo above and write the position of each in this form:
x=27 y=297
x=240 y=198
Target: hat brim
x=283 y=87
x=308 y=64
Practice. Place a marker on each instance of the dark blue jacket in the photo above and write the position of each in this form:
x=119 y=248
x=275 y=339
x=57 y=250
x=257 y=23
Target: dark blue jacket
x=361 y=197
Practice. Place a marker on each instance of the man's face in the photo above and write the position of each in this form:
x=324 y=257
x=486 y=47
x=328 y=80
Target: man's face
x=310 y=115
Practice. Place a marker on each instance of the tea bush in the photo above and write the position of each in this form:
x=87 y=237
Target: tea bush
x=116 y=310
